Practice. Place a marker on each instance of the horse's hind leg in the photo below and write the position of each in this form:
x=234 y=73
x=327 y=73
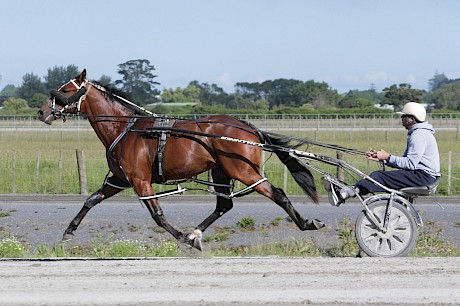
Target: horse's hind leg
x=280 y=198
x=223 y=205
x=105 y=192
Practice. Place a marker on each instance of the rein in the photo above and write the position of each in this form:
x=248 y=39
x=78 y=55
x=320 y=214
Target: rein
x=299 y=140
x=75 y=102
x=264 y=146
x=323 y=145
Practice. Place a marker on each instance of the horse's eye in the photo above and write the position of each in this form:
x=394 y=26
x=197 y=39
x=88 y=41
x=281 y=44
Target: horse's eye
x=65 y=91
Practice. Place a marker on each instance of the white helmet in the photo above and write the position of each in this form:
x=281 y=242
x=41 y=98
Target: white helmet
x=415 y=109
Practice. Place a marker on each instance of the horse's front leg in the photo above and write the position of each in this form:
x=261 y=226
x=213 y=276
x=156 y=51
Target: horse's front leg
x=146 y=194
x=193 y=239
x=105 y=192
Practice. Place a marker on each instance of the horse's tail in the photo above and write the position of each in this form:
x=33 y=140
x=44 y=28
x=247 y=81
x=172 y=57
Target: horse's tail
x=301 y=175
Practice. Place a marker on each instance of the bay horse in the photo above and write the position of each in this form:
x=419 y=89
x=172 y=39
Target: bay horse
x=132 y=157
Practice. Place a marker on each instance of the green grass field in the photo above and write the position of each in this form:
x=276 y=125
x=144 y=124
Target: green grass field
x=41 y=162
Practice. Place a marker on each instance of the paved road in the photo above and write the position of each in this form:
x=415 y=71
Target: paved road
x=232 y=281
x=41 y=219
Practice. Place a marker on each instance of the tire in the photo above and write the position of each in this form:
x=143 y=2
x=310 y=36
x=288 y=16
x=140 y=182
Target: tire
x=400 y=238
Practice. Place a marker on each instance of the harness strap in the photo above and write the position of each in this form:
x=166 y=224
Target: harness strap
x=179 y=189
x=239 y=193
x=101 y=88
x=249 y=188
x=77 y=104
x=163 y=136
x=115 y=142
x=114 y=182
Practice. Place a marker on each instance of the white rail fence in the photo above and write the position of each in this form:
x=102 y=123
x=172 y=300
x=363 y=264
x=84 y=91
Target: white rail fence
x=450 y=121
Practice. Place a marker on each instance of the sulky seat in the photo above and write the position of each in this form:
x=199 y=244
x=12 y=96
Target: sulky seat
x=417 y=191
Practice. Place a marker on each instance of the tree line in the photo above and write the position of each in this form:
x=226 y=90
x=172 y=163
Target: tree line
x=139 y=83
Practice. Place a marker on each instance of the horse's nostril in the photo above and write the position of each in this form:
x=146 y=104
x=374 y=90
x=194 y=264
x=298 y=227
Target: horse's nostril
x=40 y=113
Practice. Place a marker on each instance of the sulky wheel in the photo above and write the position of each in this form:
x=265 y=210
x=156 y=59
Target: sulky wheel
x=400 y=237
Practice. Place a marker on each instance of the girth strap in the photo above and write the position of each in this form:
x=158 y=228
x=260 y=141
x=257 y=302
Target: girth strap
x=163 y=136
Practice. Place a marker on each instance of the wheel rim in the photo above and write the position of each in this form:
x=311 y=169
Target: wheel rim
x=397 y=238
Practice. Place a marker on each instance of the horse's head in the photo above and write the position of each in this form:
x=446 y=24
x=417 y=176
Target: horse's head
x=65 y=100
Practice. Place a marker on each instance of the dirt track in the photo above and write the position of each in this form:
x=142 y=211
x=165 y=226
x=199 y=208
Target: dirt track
x=232 y=281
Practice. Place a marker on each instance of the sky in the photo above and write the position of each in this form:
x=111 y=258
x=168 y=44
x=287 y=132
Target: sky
x=350 y=44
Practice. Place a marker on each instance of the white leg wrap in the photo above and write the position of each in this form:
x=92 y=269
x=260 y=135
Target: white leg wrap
x=196 y=234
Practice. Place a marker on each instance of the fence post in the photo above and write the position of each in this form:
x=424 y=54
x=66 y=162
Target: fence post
x=340 y=173
x=449 y=174
x=60 y=171
x=82 y=172
x=14 y=172
x=263 y=162
x=37 y=172
x=285 y=179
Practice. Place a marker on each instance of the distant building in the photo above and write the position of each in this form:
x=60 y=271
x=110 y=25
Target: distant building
x=385 y=106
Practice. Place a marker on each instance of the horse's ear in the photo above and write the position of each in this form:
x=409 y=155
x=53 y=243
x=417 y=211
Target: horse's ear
x=82 y=76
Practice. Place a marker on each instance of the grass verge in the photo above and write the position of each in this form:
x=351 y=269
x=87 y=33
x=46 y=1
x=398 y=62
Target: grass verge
x=430 y=243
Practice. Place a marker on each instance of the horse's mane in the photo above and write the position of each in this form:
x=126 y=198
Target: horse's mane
x=111 y=90
x=118 y=95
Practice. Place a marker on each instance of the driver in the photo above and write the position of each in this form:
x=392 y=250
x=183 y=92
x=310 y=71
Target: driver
x=418 y=166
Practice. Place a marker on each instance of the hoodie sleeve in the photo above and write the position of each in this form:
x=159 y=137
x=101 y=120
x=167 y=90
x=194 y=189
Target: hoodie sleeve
x=416 y=144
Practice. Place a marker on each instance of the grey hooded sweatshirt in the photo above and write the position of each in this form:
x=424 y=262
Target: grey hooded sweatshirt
x=421 y=152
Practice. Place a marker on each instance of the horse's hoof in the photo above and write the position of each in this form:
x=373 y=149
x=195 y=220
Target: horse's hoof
x=67 y=237
x=196 y=238
x=197 y=244
x=314 y=224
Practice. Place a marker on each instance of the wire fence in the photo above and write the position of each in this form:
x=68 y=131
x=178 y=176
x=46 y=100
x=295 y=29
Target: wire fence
x=40 y=159
x=57 y=172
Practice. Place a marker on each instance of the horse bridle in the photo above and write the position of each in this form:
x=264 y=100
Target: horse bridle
x=71 y=102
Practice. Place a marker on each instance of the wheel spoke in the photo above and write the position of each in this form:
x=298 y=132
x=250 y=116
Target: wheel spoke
x=398 y=238
x=372 y=242
x=368 y=232
x=382 y=247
